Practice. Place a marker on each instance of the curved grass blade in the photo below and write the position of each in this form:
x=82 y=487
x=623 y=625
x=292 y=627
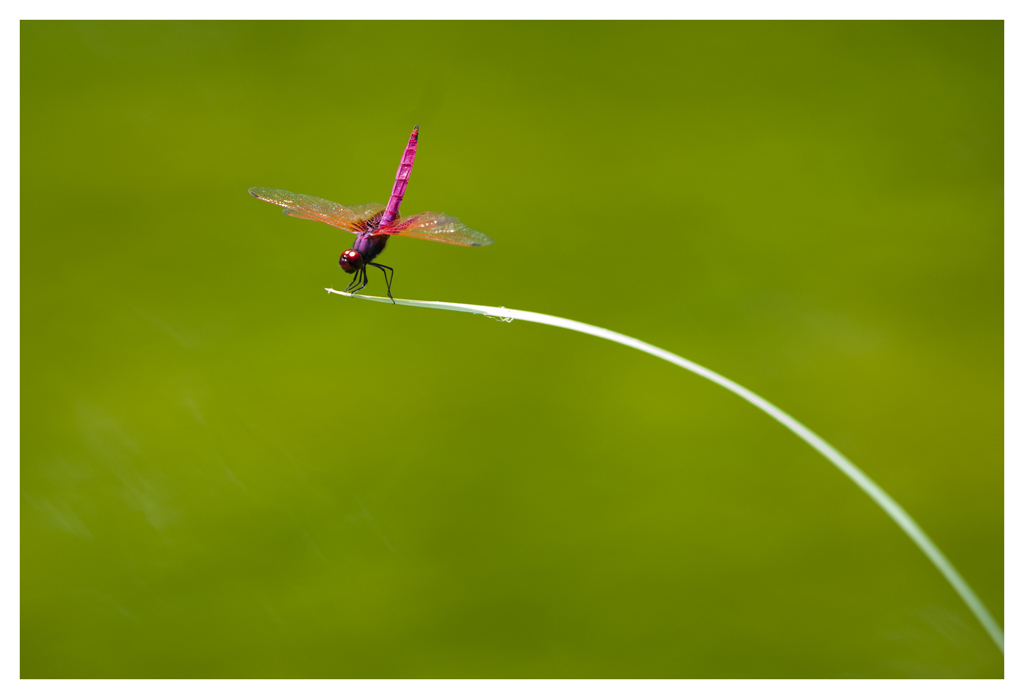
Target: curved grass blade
x=892 y=508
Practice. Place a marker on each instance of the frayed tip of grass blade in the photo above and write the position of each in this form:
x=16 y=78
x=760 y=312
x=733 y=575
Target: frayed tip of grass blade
x=860 y=479
x=499 y=313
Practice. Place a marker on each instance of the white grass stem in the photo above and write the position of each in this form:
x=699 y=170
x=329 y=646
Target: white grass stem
x=883 y=499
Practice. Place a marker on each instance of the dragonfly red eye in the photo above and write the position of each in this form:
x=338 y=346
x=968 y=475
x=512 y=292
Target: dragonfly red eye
x=350 y=261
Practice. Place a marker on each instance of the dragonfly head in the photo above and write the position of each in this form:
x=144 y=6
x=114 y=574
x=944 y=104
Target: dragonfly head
x=350 y=261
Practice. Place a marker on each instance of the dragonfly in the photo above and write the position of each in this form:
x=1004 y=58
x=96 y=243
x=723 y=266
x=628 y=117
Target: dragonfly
x=373 y=224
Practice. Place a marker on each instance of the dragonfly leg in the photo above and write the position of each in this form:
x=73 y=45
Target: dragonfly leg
x=351 y=284
x=361 y=277
x=385 y=269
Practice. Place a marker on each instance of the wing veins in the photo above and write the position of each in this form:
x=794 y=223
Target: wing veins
x=310 y=208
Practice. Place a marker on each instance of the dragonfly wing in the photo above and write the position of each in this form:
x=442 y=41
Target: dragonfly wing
x=353 y=219
x=369 y=214
x=439 y=227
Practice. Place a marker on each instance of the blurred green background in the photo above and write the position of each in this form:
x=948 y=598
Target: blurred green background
x=226 y=472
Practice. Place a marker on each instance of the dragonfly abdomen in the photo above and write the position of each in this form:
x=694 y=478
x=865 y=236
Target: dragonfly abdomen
x=401 y=179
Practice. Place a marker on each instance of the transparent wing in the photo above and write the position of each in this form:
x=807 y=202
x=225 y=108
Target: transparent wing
x=348 y=218
x=439 y=227
x=366 y=212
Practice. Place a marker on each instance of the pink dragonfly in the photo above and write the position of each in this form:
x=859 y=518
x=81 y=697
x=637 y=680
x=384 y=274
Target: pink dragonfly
x=374 y=223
